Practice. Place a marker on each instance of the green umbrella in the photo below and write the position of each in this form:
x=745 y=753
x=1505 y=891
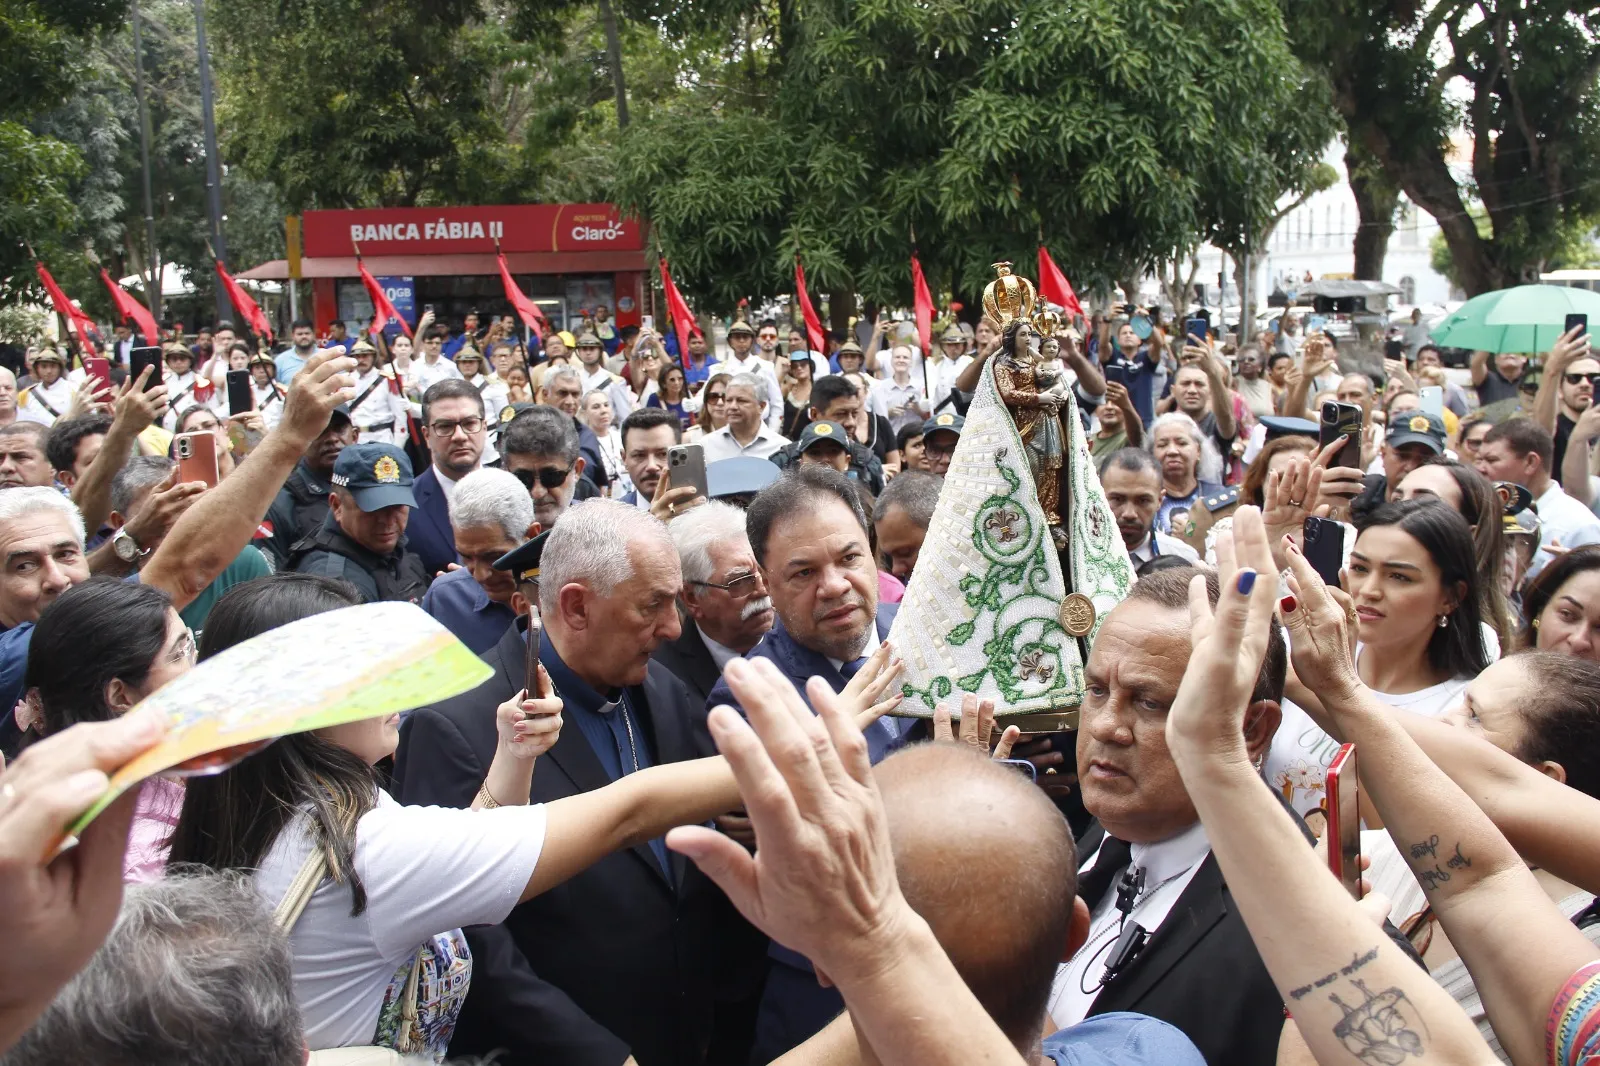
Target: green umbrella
x=1527 y=318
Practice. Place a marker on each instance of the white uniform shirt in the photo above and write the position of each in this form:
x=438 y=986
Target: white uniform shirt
x=382 y=407
x=269 y=401
x=58 y=396
x=421 y=374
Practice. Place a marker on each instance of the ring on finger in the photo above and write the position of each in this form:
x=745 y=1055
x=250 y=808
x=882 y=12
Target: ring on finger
x=8 y=792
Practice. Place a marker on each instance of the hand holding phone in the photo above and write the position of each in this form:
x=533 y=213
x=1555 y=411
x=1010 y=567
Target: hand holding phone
x=686 y=466
x=1324 y=548
x=1344 y=820
x=197 y=457
x=1342 y=420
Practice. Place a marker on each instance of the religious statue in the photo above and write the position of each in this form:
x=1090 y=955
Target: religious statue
x=1034 y=396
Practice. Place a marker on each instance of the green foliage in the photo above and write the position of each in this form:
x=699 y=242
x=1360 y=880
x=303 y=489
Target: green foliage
x=1104 y=126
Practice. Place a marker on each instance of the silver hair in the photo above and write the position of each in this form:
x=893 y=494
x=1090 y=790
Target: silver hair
x=914 y=492
x=555 y=374
x=20 y=502
x=140 y=473
x=1210 y=468
x=695 y=532
x=490 y=497
x=194 y=973
x=757 y=387
x=589 y=545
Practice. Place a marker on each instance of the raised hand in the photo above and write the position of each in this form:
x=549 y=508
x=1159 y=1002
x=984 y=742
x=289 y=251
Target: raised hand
x=867 y=696
x=140 y=407
x=1322 y=629
x=977 y=727
x=322 y=384
x=530 y=727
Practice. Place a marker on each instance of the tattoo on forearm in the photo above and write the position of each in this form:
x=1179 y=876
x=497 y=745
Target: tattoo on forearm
x=1437 y=875
x=1379 y=1028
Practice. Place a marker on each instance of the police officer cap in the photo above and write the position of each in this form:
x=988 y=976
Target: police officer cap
x=1278 y=426
x=1417 y=427
x=945 y=420
x=50 y=355
x=739 y=476
x=953 y=335
x=818 y=432
x=512 y=410
x=588 y=340
x=363 y=347
x=523 y=560
x=376 y=475
x=741 y=326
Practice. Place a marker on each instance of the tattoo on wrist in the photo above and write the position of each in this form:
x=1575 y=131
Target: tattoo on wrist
x=1379 y=1028
x=1436 y=875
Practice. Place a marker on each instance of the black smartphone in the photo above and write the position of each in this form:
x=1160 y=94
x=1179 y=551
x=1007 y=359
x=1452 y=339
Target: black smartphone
x=1324 y=548
x=240 y=397
x=1116 y=372
x=1578 y=322
x=1344 y=820
x=1198 y=330
x=139 y=358
x=1341 y=420
x=1394 y=349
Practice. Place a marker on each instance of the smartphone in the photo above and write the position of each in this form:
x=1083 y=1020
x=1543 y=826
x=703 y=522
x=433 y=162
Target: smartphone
x=99 y=372
x=240 y=396
x=1324 y=548
x=1021 y=766
x=139 y=358
x=1340 y=420
x=1198 y=329
x=686 y=465
x=1116 y=372
x=1578 y=322
x=1344 y=820
x=530 y=669
x=647 y=322
x=197 y=457
x=1432 y=397
x=1394 y=349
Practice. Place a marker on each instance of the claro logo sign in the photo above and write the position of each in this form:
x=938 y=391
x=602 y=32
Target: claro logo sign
x=595 y=228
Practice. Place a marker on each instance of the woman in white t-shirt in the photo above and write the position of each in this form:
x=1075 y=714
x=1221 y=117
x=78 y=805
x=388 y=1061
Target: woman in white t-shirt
x=1419 y=624
x=401 y=881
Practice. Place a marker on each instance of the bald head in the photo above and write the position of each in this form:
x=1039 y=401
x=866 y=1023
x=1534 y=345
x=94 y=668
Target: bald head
x=988 y=862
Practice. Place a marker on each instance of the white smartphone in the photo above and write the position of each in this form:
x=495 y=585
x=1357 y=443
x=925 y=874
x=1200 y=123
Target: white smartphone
x=1432 y=397
x=647 y=322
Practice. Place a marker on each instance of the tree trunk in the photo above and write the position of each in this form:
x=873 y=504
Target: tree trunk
x=841 y=305
x=608 y=19
x=1376 y=201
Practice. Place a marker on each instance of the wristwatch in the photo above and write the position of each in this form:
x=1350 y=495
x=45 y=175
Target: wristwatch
x=126 y=547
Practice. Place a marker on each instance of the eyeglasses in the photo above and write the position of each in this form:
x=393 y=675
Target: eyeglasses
x=185 y=650
x=549 y=477
x=738 y=587
x=1574 y=379
x=769 y=336
x=717 y=397
x=448 y=429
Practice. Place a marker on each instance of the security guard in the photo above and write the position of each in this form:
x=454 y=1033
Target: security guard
x=378 y=411
x=363 y=539
x=48 y=398
x=939 y=436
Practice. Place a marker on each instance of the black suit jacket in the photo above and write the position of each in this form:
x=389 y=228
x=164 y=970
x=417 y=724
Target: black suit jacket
x=690 y=661
x=616 y=961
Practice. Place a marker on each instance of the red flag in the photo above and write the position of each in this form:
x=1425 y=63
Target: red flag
x=243 y=303
x=683 y=323
x=382 y=309
x=1053 y=284
x=813 y=323
x=129 y=308
x=527 y=310
x=922 y=303
x=81 y=323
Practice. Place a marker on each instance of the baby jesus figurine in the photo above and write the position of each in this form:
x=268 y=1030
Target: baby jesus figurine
x=1034 y=397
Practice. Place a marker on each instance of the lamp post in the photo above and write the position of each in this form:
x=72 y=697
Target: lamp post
x=213 y=165
x=152 y=294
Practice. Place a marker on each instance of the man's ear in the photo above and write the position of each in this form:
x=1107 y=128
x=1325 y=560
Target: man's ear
x=577 y=466
x=1078 y=930
x=1552 y=769
x=1261 y=720
x=534 y=529
x=68 y=478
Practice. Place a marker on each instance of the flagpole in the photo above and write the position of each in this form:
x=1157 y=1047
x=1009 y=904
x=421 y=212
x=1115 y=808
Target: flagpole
x=152 y=294
x=213 y=164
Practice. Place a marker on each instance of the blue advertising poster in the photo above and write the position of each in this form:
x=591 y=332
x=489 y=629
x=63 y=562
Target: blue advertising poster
x=402 y=292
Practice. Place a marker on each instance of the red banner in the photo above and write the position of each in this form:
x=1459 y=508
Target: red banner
x=129 y=308
x=683 y=322
x=813 y=323
x=527 y=310
x=382 y=231
x=922 y=303
x=244 y=304
x=383 y=310
x=81 y=323
x=1053 y=284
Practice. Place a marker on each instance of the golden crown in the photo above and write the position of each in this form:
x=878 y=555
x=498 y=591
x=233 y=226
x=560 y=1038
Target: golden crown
x=1047 y=322
x=1008 y=296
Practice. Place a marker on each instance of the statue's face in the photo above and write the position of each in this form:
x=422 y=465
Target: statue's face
x=1025 y=341
x=1050 y=349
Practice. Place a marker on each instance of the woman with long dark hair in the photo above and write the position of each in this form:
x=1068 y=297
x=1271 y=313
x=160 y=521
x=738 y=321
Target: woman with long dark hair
x=1562 y=606
x=671 y=392
x=713 y=408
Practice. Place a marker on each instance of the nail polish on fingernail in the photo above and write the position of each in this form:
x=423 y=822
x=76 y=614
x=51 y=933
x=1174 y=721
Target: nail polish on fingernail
x=1288 y=604
x=1247 y=581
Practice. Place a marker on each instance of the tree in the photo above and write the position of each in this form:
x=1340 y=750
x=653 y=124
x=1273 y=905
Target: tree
x=1530 y=116
x=1377 y=199
x=836 y=130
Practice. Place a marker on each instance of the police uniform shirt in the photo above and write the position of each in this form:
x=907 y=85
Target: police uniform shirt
x=181 y=395
x=380 y=416
x=269 y=401
x=494 y=392
x=32 y=405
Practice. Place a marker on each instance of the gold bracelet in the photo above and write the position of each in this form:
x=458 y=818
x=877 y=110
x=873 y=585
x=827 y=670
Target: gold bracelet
x=489 y=802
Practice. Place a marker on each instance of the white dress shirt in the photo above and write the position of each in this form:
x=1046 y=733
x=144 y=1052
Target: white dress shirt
x=423 y=374
x=1562 y=519
x=721 y=654
x=615 y=388
x=722 y=445
x=1169 y=865
x=1160 y=544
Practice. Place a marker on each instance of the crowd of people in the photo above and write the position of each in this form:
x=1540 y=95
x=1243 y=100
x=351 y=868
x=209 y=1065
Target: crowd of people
x=703 y=838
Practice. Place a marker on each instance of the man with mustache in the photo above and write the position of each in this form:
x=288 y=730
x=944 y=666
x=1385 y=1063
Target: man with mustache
x=808 y=536
x=1132 y=483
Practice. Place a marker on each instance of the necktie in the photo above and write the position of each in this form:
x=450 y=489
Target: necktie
x=1113 y=859
x=849 y=669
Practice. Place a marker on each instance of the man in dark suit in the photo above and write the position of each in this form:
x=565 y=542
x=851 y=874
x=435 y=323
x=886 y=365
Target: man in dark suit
x=725 y=604
x=808 y=533
x=1146 y=859
x=454 y=429
x=615 y=963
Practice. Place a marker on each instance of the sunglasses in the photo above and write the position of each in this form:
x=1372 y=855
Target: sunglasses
x=716 y=397
x=547 y=476
x=1575 y=379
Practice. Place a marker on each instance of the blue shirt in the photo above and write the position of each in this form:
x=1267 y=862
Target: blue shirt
x=14 y=644
x=1141 y=380
x=1121 y=1039
x=621 y=750
x=454 y=345
x=459 y=603
x=693 y=375
x=288 y=364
